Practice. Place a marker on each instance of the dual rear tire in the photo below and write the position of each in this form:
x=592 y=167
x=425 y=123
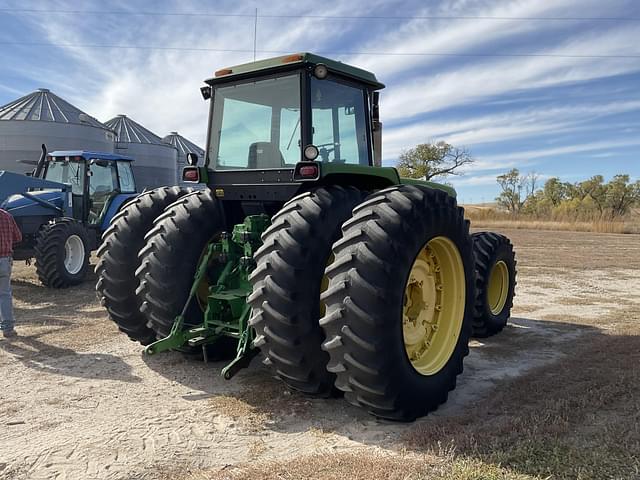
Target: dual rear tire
x=394 y=318
x=384 y=315
x=400 y=302
x=118 y=260
x=287 y=283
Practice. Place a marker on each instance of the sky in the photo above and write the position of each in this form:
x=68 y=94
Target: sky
x=551 y=87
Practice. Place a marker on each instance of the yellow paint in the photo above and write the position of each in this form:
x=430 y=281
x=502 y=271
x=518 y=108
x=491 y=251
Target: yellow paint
x=324 y=284
x=434 y=303
x=498 y=287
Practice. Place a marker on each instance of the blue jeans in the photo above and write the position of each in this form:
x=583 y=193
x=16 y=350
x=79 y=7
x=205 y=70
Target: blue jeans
x=6 y=306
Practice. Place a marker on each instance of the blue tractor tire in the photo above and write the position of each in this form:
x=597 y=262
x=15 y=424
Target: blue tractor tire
x=62 y=253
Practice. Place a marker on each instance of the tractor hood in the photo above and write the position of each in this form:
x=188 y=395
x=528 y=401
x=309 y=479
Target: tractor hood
x=35 y=203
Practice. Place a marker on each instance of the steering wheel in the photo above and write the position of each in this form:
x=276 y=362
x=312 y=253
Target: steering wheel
x=324 y=151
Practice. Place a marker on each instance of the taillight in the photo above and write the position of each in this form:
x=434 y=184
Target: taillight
x=310 y=171
x=306 y=171
x=191 y=175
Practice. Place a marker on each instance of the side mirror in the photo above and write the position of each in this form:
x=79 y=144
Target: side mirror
x=192 y=159
x=206 y=92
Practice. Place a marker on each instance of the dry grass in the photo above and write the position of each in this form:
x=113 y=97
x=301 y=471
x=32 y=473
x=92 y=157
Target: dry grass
x=578 y=418
x=359 y=465
x=261 y=402
x=552 y=253
x=594 y=227
x=487 y=217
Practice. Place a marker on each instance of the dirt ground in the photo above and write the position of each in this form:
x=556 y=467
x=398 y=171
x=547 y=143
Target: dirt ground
x=556 y=395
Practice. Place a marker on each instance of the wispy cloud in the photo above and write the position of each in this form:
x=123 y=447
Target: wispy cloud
x=493 y=78
x=512 y=124
x=510 y=111
x=529 y=155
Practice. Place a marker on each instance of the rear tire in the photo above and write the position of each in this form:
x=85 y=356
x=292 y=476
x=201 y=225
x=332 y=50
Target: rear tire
x=496 y=282
x=169 y=259
x=367 y=306
x=62 y=253
x=287 y=282
x=118 y=260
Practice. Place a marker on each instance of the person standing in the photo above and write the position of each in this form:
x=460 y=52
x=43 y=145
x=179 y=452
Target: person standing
x=9 y=235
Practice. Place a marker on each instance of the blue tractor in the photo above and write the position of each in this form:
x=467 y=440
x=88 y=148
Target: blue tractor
x=62 y=208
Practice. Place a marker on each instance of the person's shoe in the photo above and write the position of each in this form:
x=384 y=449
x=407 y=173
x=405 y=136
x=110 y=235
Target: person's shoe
x=9 y=333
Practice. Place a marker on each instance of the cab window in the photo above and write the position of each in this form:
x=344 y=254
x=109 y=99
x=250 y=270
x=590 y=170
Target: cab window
x=125 y=174
x=256 y=124
x=69 y=172
x=339 y=122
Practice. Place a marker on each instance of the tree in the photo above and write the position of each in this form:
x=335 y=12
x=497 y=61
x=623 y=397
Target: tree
x=596 y=189
x=512 y=185
x=429 y=160
x=621 y=195
x=555 y=191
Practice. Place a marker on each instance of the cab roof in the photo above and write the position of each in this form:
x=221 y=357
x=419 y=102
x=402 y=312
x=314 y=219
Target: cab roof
x=294 y=60
x=88 y=155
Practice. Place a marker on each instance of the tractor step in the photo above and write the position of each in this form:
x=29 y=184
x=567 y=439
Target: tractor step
x=194 y=342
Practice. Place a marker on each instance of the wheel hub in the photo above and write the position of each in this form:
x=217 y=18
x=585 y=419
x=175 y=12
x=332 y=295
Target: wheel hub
x=433 y=307
x=498 y=288
x=74 y=254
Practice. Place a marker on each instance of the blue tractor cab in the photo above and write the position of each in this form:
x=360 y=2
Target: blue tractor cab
x=62 y=208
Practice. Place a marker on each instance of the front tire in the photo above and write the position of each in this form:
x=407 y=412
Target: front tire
x=62 y=253
x=118 y=260
x=400 y=302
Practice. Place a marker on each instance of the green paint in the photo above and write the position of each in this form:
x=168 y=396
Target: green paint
x=305 y=59
x=413 y=181
x=388 y=174
x=225 y=269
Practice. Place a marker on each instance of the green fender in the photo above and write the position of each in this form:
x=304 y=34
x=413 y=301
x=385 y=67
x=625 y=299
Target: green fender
x=364 y=176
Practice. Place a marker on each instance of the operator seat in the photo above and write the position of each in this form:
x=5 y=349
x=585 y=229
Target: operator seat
x=264 y=155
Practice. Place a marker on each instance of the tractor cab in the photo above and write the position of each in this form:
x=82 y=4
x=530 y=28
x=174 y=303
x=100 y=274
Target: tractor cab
x=95 y=179
x=287 y=120
x=63 y=207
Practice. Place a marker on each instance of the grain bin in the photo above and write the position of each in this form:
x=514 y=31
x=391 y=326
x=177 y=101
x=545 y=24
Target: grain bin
x=43 y=117
x=184 y=147
x=155 y=161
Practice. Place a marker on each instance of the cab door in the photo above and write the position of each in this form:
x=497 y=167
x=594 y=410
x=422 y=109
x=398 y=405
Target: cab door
x=103 y=186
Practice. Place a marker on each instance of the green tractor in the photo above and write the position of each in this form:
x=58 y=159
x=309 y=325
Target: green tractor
x=344 y=276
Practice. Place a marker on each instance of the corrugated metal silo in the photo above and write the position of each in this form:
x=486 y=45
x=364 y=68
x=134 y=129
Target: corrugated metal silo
x=183 y=146
x=43 y=117
x=155 y=161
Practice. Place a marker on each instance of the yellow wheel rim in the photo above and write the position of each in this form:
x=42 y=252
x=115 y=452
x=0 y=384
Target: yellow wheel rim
x=324 y=285
x=434 y=303
x=498 y=288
